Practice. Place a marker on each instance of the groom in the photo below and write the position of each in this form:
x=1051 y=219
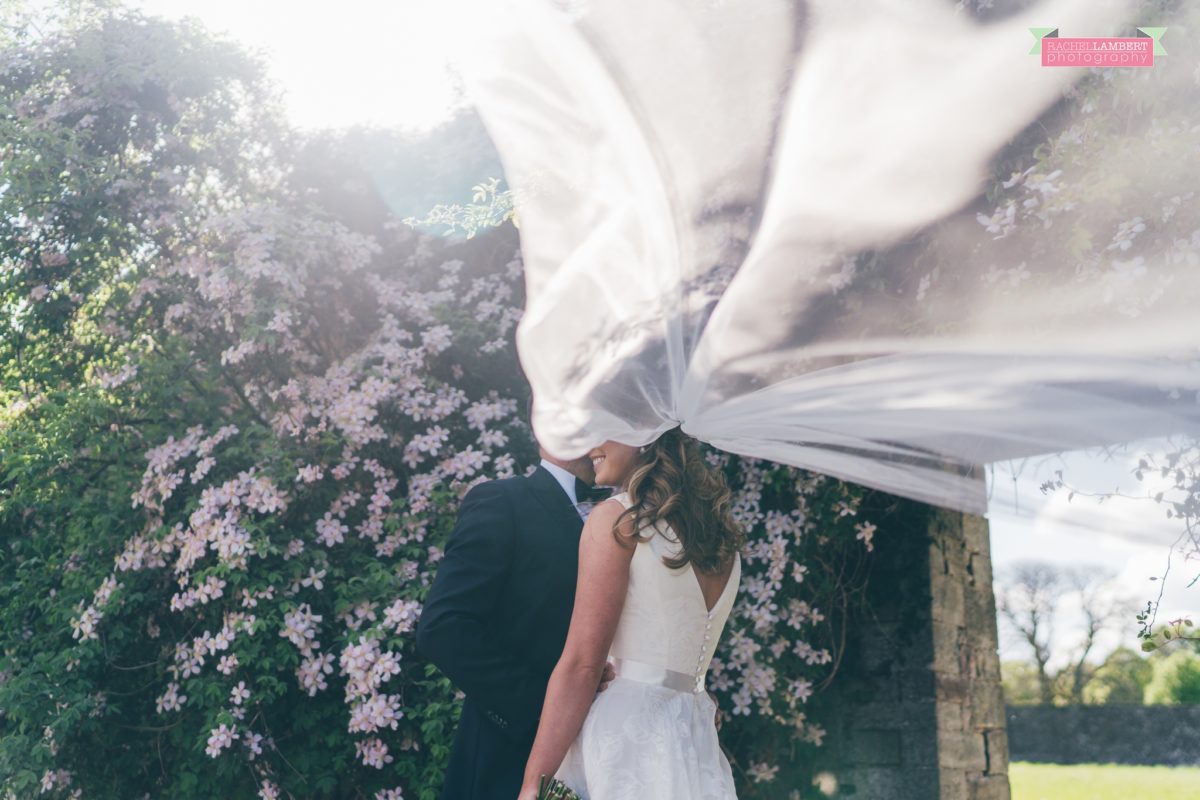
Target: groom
x=496 y=617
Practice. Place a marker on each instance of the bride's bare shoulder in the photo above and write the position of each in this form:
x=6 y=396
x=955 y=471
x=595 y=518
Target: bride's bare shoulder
x=604 y=518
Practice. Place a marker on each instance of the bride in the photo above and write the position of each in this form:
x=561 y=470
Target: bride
x=658 y=571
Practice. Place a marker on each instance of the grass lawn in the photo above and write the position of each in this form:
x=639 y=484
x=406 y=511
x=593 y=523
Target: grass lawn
x=1102 y=782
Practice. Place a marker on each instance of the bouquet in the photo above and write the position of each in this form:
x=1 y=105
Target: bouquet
x=554 y=789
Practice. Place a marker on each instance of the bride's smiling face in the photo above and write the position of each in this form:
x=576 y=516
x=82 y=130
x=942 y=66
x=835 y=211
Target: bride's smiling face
x=614 y=463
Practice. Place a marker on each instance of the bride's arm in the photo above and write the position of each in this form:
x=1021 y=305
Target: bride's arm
x=599 y=597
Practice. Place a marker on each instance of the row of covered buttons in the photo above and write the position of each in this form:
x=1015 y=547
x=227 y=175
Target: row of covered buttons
x=704 y=649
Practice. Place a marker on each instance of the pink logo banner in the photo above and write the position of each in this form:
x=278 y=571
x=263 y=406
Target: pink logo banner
x=1098 y=52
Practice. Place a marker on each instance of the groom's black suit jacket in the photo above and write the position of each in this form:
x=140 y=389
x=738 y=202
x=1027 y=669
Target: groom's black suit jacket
x=495 y=622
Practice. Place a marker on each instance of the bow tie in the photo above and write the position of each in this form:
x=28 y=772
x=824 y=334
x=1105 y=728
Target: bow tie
x=590 y=494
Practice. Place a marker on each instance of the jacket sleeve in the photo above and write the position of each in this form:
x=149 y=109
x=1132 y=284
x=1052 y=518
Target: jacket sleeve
x=455 y=630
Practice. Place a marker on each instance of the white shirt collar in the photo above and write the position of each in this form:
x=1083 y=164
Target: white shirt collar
x=565 y=479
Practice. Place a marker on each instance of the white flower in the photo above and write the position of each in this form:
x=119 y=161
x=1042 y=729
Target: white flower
x=401 y=616
x=311 y=673
x=437 y=339
x=239 y=694
x=314 y=579
x=375 y=713
x=866 y=532
x=800 y=690
x=220 y=738
x=84 y=628
x=309 y=473
x=373 y=752
x=762 y=772
x=170 y=700
x=299 y=627
x=331 y=531
x=741 y=702
x=1001 y=222
x=1126 y=233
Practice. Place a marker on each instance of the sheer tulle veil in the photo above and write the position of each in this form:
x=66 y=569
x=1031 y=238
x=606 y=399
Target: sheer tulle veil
x=764 y=221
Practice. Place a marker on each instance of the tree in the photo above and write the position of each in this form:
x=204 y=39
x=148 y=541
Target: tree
x=1121 y=679
x=1101 y=607
x=171 y=299
x=1176 y=680
x=1020 y=682
x=1029 y=596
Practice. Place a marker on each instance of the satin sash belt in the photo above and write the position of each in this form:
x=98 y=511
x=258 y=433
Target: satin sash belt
x=653 y=674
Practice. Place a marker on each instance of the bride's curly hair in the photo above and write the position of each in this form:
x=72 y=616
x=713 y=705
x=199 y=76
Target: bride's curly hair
x=673 y=483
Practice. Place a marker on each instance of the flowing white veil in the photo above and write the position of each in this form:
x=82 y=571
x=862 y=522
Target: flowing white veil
x=762 y=220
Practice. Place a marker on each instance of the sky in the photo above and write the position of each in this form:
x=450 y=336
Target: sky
x=364 y=62
x=1131 y=538
x=350 y=62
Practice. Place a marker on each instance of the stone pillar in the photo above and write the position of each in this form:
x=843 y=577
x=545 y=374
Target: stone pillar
x=917 y=710
x=971 y=742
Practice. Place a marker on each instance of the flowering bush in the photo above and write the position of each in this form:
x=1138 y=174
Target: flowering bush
x=238 y=422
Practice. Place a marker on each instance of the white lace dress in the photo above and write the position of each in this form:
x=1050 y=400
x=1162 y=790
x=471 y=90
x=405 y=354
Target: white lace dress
x=652 y=733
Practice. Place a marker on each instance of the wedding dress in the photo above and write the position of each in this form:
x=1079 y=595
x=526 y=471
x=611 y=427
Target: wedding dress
x=652 y=733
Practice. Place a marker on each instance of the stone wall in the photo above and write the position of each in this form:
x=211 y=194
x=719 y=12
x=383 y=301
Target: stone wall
x=917 y=704
x=1168 y=735
x=883 y=734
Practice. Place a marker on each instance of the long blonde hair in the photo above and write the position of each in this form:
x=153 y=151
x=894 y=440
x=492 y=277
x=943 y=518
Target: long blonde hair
x=672 y=482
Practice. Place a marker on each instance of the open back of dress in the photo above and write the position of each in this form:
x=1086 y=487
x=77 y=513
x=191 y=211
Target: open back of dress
x=652 y=733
